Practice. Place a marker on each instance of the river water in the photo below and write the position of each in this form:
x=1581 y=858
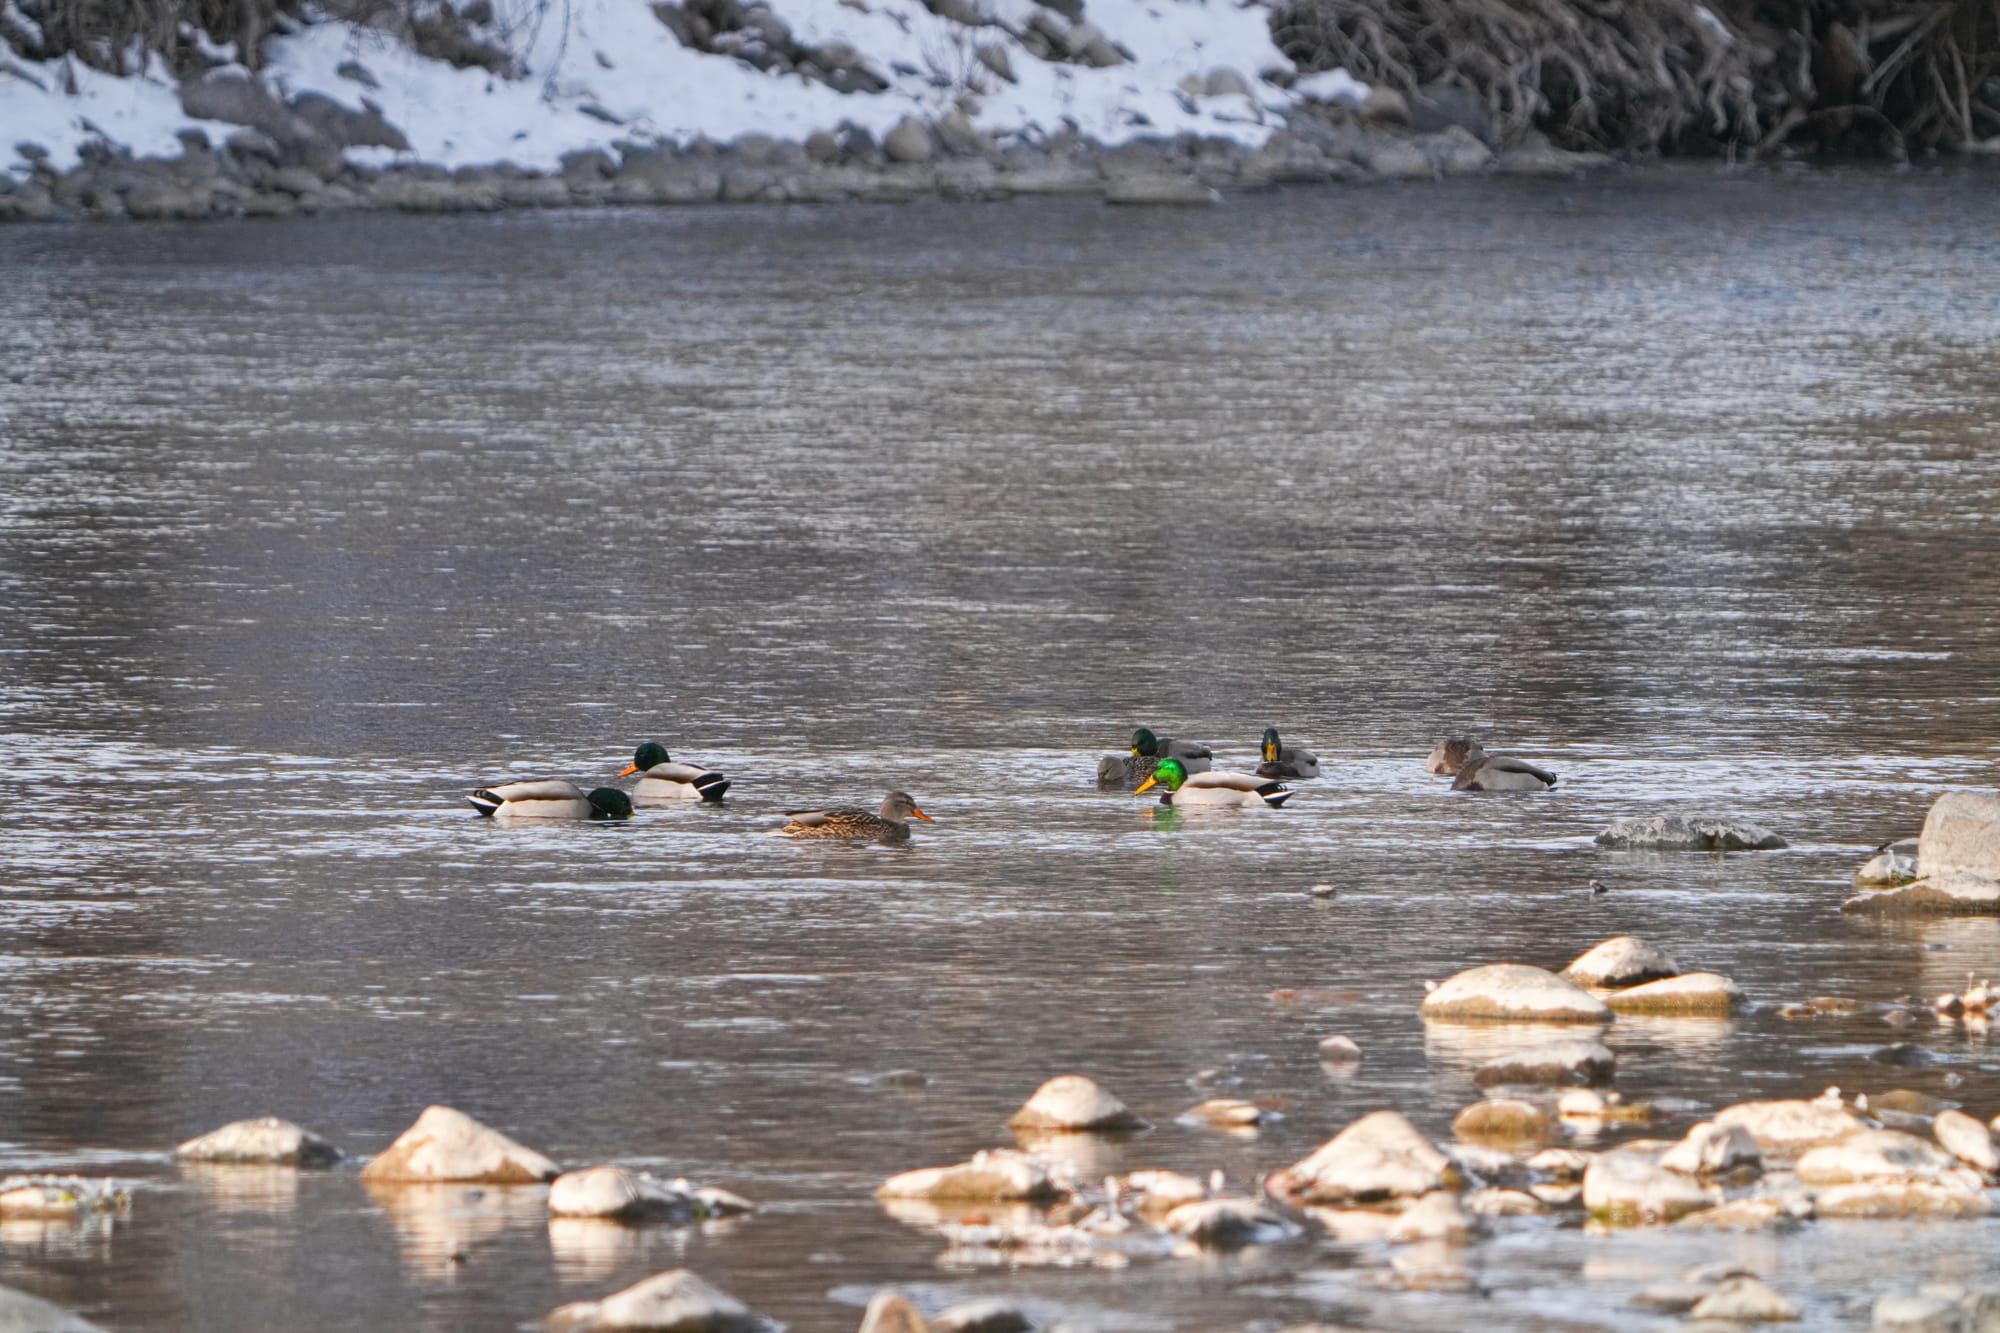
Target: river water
x=1679 y=483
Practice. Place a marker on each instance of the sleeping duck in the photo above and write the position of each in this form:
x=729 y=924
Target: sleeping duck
x=661 y=779
x=1128 y=770
x=1448 y=756
x=1214 y=787
x=550 y=798
x=1501 y=772
x=1286 y=761
x=888 y=823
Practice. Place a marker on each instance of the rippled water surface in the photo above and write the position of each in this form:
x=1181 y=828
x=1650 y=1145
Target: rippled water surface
x=1682 y=484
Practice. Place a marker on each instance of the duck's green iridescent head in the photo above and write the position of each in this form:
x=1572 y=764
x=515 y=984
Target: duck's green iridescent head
x=1169 y=774
x=609 y=803
x=1271 y=746
x=1145 y=744
x=643 y=758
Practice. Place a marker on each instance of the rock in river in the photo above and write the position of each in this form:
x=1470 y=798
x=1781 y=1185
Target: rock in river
x=1507 y=1120
x=1968 y=1140
x=266 y=1140
x=1961 y=832
x=1744 y=1299
x=1513 y=992
x=619 y=1194
x=1881 y=1155
x=1792 y=1125
x=1710 y=1149
x=1949 y=892
x=1708 y=993
x=1895 y=863
x=1629 y=1186
x=1073 y=1102
x=449 y=1145
x=1690 y=833
x=23 y=1313
x=1379 y=1157
x=999 y=1175
x=1228 y=1224
x=675 y=1300
x=1623 y=960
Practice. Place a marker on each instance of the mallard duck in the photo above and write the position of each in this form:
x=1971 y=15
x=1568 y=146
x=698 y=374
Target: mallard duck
x=661 y=779
x=1286 y=761
x=1214 y=787
x=890 y=822
x=1451 y=755
x=1194 y=756
x=550 y=798
x=1501 y=772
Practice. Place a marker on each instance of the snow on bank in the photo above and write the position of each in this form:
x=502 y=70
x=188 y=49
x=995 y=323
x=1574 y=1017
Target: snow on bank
x=617 y=58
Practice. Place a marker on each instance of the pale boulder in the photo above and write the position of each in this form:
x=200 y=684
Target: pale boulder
x=1504 y=1120
x=1690 y=833
x=266 y=1141
x=1228 y=1224
x=1744 y=1299
x=1693 y=993
x=1625 y=1188
x=1882 y=1199
x=619 y=1194
x=1791 y=1125
x=1513 y=992
x=1961 y=832
x=1968 y=1140
x=1711 y=1149
x=1879 y=1155
x=996 y=1176
x=676 y=1301
x=21 y=1312
x=891 y=1312
x=1623 y=960
x=1379 y=1157
x=449 y=1145
x=1949 y=892
x=1072 y=1102
x=1437 y=1216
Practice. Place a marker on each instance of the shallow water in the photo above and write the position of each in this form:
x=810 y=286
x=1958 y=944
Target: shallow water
x=1681 y=484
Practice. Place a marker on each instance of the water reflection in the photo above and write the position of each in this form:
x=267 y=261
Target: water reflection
x=442 y=1227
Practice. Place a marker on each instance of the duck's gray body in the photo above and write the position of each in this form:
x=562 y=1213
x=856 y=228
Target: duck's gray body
x=1501 y=772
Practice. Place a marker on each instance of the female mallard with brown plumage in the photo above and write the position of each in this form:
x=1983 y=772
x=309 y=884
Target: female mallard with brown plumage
x=1214 y=787
x=890 y=822
x=1472 y=769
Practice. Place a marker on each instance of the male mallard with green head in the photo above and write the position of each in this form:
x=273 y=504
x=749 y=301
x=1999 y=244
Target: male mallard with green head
x=1286 y=761
x=661 y=779
x=888 y=823
x=1127 y=770
x=1214 y=787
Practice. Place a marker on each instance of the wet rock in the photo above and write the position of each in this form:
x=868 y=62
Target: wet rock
x=1878 y=1155
x=1228 y=1224
x=1961 y=832
x=619 y=1194
x=1968 y=1140
x=158 y=199
x=987 y=1316
x=1920 y=1312
x=1894 y=1199
x=675 y=1300
x=23 y=1313
x=1379 y=1157
x=1437 y=1216
x=1396 y=159
x=1626 y=1187
x=1229 y=1113
x=1075 y=1103
x=1623 y=960
x=1573 y=1060
x=1708 y=993
x=266 y=1140
x=1902 y=1055
x=1339 y=1050
x=448 y=1145
x=1759 y=1213
x=1894 y=864
x=891 y=1312
x=1160 y=191
x=1744 y=1299
x=1560 y=1163
x=1160 y=1192
x=1535 y=156
x=1513 y=992
x=1791 y=1125
x=1589 y=1104
x=994 y=1176
x=1497 y=1202
x=908 y=141
x=1690 y=833
x=1486 y=1164
x=1711 y=1149
x=1504 y=1120
x=1945 y=893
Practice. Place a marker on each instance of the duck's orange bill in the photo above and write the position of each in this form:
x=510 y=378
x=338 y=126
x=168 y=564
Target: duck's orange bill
x=1147 y=783
x=628 y=770
x=918 y=814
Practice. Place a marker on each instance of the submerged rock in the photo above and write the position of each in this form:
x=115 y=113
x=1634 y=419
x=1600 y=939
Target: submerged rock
x=675 y=1300
x=24 y=1313
x=1513 y=992
x=266 y=1140
x=1744 y=1299
x=1570 y=1060
x=1339 y=1049
x=1231 y=1114
x=1961 y=832
x=1708 y=993
x=59 y=1198
x=1893 y=1199
x=1624 y=960
x=1379 y=1157
x=998 y=1175
x=1072 y=1102
x=619 y=1194
x=1690 y=833
x=448 y=1145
